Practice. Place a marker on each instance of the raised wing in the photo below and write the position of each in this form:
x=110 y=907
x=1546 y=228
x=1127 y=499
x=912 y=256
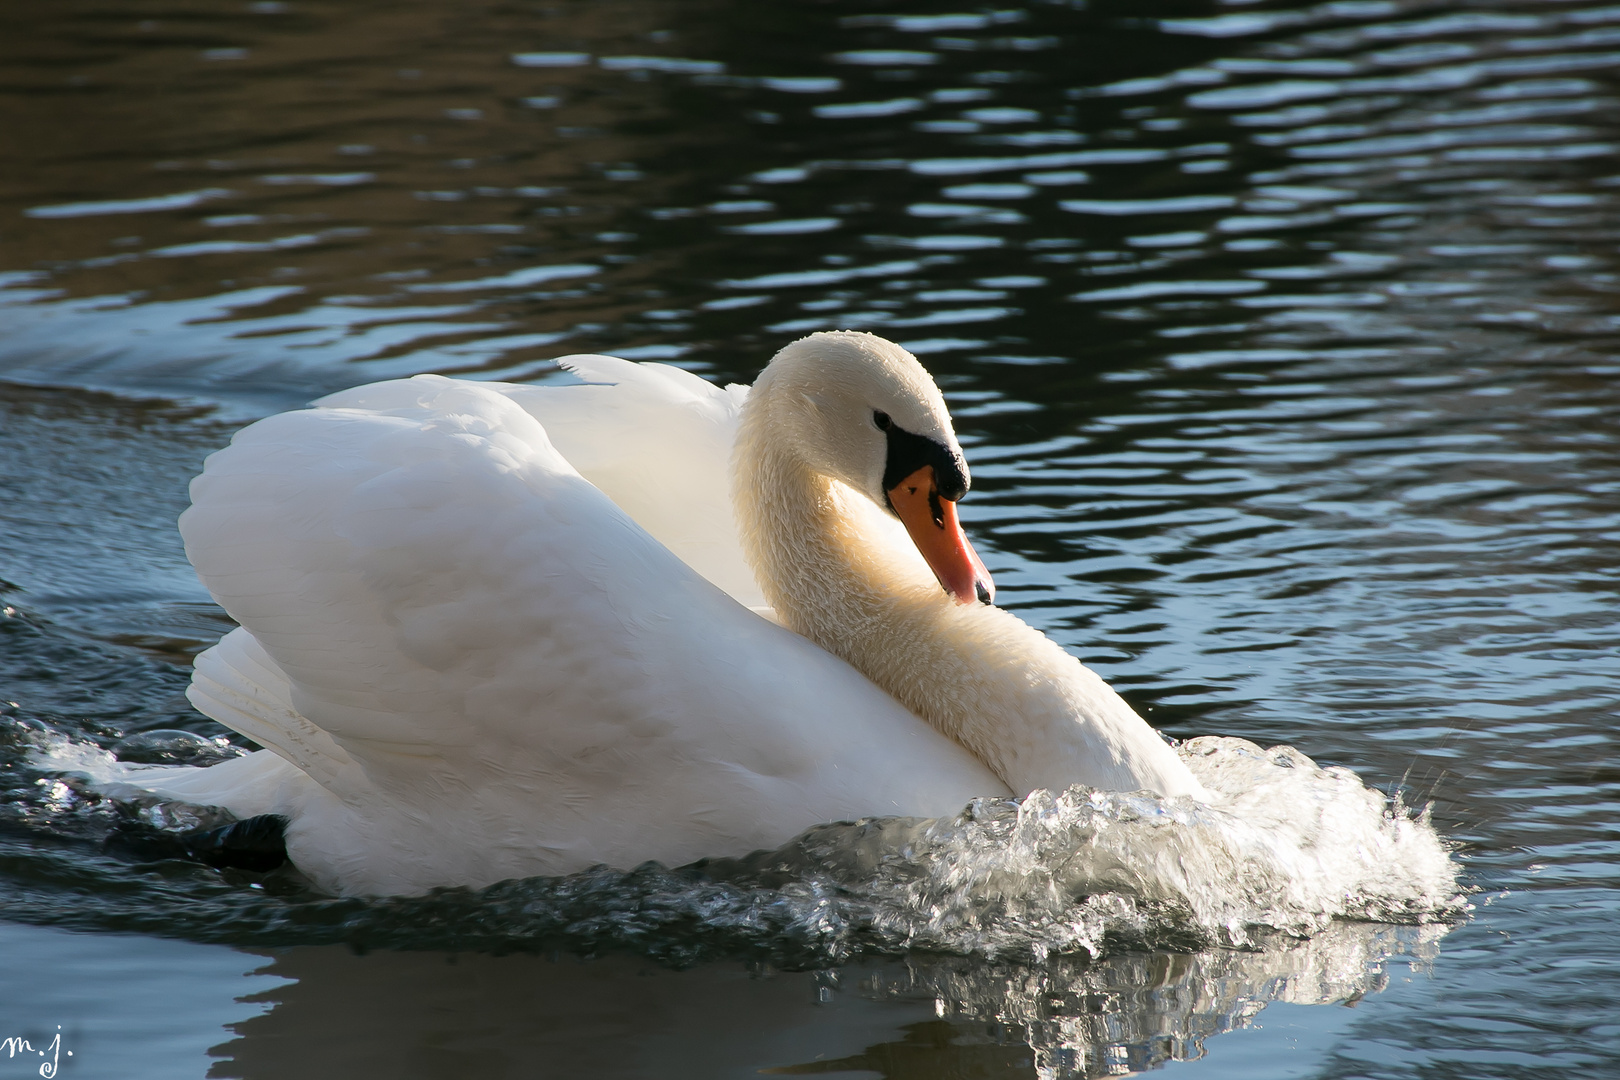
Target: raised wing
x=490 y=657
x=655 y=439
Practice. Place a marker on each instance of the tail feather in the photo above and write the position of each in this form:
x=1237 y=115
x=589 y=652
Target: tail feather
x=237 y=683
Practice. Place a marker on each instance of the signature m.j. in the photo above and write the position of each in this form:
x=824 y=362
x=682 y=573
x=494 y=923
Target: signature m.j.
x=13 y=1045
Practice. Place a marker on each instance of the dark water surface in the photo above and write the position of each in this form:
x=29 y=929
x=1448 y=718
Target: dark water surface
x=1282 y=339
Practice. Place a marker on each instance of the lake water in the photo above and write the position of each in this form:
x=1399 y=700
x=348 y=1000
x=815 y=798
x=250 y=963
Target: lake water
x=1283 y=340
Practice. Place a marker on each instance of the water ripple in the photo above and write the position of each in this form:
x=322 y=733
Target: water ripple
x=1282 y=341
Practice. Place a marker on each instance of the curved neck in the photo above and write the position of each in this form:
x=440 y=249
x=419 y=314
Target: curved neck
x=801 y=534
x=840 y=572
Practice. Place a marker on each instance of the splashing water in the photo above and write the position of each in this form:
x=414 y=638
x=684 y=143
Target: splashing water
x=1287 y=847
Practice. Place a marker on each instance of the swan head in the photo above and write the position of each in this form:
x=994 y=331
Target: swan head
x=862 y=410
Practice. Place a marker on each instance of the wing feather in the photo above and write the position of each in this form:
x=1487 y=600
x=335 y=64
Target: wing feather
x=500 y=672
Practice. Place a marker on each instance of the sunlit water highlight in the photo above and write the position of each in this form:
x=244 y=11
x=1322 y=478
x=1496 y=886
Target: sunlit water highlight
x=1282 y=339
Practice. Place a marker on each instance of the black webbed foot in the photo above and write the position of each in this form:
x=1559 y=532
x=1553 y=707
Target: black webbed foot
x=256 y=843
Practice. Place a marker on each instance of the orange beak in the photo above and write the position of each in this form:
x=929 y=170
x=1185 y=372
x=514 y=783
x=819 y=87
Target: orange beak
x=931 y=521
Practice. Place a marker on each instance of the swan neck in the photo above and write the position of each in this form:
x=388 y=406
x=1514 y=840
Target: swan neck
x=794 y=525
x=842 y=572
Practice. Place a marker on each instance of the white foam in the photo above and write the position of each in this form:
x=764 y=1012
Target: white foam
x=1288 y=847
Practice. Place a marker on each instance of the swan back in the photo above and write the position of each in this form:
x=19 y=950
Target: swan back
x=655 y=439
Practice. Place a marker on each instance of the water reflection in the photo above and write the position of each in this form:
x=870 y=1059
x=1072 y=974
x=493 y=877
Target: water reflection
x=1282 y=338
x=432 y=1014
x=697 y=181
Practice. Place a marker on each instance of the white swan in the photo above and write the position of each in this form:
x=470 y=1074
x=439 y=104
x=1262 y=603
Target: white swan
x=473 y=650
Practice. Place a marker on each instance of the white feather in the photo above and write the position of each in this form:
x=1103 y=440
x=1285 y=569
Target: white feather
x=491 y=671
x=467 y=661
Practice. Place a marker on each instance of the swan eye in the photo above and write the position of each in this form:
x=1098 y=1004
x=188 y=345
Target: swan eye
x=881 y=419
